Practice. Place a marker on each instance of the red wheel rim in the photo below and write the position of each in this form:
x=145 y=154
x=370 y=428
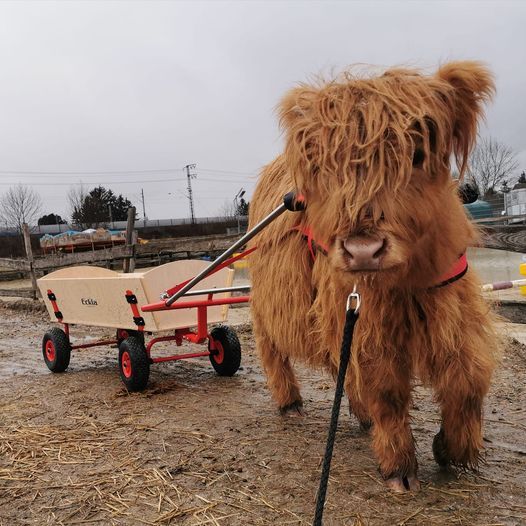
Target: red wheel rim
x=126 y=364
x=122 y=334
x=219 y=353
x=50 y=350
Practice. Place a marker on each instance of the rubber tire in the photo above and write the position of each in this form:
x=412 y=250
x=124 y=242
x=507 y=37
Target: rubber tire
x=136 y=334
x=62 y=350
x=139 y=361
x=231 y=351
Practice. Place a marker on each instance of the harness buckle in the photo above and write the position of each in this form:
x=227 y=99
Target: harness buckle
x=354 y=296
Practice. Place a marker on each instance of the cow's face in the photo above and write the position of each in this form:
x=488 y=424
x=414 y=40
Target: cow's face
x=372 y=157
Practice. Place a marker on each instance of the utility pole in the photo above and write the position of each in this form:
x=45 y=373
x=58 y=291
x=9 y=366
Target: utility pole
x=190 y=175
x=143 y=209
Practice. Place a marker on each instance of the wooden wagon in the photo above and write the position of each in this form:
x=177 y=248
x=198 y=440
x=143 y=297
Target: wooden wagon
x=100 y=297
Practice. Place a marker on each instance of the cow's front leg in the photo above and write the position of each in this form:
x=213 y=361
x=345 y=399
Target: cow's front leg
x=281 y=379
x=357 y=406
x=461 y=383
x=388 y=389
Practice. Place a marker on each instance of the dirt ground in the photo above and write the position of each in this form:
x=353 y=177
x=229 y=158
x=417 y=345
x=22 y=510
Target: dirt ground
x=195 y=448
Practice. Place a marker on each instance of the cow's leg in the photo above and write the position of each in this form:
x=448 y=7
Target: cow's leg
x=357 y=406
x=281 y=379
x=461 y=381
x=389 y=395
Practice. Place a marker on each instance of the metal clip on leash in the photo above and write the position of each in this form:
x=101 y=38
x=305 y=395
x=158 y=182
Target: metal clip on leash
x=351 y=315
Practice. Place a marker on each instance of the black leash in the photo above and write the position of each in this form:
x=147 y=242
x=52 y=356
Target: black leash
x=351 y=316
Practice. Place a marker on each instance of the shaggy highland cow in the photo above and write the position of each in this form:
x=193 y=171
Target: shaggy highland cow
x=372 y=158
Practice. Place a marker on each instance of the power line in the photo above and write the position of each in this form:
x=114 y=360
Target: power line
x=109 y=183
x=233 y=172
x=34 y=173
x=220 y=180
x=97 y=172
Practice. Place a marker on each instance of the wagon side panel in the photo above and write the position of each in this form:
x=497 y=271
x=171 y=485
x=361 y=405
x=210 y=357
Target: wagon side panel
x=98 y=301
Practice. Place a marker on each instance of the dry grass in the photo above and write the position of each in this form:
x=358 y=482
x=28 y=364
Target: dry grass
x=95 y=477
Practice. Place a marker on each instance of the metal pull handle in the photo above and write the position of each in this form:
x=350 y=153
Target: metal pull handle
x=291 y=201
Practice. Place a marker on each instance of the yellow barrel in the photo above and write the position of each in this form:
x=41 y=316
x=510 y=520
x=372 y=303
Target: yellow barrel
x=522 y=269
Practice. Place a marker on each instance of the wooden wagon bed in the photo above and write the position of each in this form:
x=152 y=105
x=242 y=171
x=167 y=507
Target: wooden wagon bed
x=87 y=295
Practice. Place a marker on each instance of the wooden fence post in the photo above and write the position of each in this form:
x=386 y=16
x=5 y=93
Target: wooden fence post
x=128 y=264
x=30 y=260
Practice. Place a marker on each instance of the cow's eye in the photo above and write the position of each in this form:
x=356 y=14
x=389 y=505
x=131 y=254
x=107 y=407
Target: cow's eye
x=418 y=157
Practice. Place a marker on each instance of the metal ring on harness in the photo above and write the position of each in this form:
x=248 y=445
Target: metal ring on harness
x=354 y=295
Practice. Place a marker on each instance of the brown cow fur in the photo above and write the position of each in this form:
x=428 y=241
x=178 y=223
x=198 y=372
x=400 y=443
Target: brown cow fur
x=372 y=157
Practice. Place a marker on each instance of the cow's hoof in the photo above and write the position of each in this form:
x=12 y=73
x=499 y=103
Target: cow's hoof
x=403 y=484
x=440 y=450
x=293 y=410
x=365 y=426
x=364 y=423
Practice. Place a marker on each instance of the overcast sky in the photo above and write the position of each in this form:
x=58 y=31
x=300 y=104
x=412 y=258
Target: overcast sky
x=149 y=87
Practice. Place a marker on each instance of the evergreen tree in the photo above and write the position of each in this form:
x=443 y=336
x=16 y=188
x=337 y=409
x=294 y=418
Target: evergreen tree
x=98 y=207
x=51 y=219
x=242 y=208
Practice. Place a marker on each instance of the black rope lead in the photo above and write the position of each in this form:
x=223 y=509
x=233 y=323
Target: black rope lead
x=351 y=316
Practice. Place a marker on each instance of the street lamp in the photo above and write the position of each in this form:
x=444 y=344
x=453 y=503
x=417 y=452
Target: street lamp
x=239 y=195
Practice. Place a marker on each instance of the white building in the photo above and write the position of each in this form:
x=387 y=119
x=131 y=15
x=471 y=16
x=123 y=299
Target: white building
x=515 y=200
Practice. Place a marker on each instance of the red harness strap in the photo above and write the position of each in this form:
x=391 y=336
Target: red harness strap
x=311 y=242
x=458 y=270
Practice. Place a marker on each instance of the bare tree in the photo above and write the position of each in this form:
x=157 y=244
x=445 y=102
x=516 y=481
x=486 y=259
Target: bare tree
x=76 y=197
x=490 y=164
x=19 y=205
x=227 y=210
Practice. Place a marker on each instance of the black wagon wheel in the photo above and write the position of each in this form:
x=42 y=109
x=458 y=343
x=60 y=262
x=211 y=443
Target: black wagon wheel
x=56 y=350
x=122 y=334
x=225 y=350
x=134 y=364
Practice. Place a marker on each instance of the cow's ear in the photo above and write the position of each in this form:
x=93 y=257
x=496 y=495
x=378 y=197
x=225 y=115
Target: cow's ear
x=472 y=86
x=295 y=106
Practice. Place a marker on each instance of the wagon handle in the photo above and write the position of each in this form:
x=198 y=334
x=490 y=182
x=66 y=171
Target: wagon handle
x=292 y=201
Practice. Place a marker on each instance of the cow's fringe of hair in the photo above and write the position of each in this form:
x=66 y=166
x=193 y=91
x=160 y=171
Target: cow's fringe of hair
x=352 y=129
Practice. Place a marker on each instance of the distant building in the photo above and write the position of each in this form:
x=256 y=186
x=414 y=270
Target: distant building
x=515 y=200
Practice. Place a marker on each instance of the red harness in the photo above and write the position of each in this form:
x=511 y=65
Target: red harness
x=457 y=271
x=313 y=245
x=459 y=268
